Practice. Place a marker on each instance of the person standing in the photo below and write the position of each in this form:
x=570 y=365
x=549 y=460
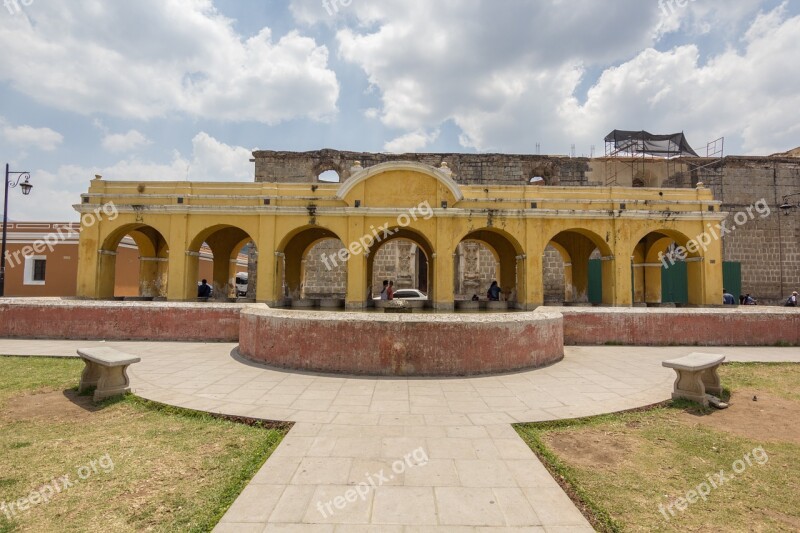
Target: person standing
x=385 y=290
x=390 y=290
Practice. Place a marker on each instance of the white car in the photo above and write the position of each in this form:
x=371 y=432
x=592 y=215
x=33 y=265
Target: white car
x=409 y=294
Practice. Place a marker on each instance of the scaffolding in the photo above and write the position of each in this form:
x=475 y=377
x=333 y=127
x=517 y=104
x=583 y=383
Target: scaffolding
x=634 y=151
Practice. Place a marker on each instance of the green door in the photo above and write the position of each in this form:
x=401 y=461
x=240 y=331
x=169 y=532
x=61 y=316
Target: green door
x=675 y=284
x=595 y=281
x=732 y=277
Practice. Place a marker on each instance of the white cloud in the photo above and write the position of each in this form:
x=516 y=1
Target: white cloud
x=750 y=97
x=54 y=193
x=30 y=137
x=125 y=142
x=411 y=142
x=511 y=74
x=151 y=58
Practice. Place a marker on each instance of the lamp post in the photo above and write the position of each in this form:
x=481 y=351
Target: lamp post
x=26 y=190
x=786 y=206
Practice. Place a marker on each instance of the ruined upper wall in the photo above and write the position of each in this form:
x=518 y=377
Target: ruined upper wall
x=515 y=169
x=468 y=169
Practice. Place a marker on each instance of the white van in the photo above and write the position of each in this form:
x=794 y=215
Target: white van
x=241 y=284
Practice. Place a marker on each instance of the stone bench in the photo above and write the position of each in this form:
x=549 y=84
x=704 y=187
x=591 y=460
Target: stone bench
x=106 y=369
x=697 y=376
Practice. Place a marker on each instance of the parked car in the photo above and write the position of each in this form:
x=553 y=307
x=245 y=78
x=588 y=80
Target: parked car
x=406 y=294
x=409 y=294
x=241 y=284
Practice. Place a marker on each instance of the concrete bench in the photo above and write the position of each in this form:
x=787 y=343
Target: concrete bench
x=106 y=369
x=697 y=376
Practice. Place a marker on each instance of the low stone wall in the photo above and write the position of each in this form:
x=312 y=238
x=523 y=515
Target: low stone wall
x=730 y=326
x=401 y=344
x=54 y=318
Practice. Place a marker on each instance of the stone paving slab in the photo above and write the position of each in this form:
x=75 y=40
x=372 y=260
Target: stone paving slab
x=361 y=434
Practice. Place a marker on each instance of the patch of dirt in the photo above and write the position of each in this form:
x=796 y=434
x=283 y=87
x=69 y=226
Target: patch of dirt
x=791 y=522
x=606 y=450
x=770 y=419
x=56 y=406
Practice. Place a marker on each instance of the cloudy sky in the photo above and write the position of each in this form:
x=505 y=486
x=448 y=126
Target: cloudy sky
x=186 y=89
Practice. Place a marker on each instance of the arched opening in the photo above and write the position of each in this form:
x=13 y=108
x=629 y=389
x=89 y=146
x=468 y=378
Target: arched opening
x=557 y=275
x=587 y=266
x=477 y=265
x=312 y=265
x=225 y=256
x=134 y=263
x=324 y=276
x=405 y=264
x=474 y=269
x=664 y=272
x=329 y=176
x=405 y=260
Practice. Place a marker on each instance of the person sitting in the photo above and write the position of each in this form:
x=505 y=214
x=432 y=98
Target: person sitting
x=749 y=300
x=494 y=292
x=475 y=298
x=792 y=301
x=728 y=298
x=204 y=290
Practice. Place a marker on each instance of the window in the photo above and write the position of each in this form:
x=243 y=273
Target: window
x=35 y=270
x=39 y=266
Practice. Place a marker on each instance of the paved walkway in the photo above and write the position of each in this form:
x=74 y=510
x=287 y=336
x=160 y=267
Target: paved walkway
x=397 y=454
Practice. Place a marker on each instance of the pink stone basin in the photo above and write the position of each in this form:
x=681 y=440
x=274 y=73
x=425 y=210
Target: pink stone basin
x=446 y=344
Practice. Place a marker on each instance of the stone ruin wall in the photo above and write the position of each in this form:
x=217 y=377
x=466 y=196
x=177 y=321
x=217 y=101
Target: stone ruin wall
x=768 y=248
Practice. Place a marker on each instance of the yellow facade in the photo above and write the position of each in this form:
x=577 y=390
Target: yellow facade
x=630 y=227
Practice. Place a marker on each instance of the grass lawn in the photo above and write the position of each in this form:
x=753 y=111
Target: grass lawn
x=634 y=471
x=133 y=465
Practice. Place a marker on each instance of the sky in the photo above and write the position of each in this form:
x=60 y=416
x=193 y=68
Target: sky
x=187 y=89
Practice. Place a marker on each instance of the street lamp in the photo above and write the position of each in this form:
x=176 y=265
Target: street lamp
x=26 y=187
x=785 y=205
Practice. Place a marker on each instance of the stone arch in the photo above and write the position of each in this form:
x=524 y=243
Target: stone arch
x=224 y=241
x=424 y=251
x=508 y=253
x=650 y=255
x=326 y=165
x=580 y=245
x=150 y=267
x=293 y=252
x=370 y=172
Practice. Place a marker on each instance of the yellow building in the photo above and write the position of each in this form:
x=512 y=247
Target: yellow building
x=628 y=228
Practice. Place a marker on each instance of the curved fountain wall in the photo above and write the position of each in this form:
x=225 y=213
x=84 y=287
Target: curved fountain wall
x=401 y=344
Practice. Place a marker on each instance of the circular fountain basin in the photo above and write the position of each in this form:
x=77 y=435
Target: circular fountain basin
x=446 y=344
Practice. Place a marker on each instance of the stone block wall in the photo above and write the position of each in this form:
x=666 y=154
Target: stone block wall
x=321 y=280
x=553 y=273
x=767 y=246
x=468 y=169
